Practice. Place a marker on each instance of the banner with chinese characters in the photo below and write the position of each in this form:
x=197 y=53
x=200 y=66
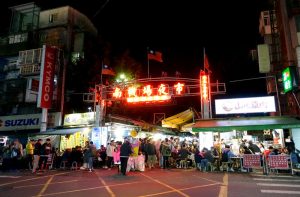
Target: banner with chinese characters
x=251 y=161
x=148 y=93
x=278 y=162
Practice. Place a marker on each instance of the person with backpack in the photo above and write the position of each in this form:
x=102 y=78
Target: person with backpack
x=226 y=155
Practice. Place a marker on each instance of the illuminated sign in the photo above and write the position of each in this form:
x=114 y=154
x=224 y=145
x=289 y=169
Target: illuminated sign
x=132 y=92
x=79 y=119
x=146 y=93
x=179 y=88
x=148 y=98
x=162 y=90
x=289 y=79
x=245 y=105
x=117 y=93
x=204 y=85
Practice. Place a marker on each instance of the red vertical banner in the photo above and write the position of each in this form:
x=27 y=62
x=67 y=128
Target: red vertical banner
x=204 y=86
x=47 y=77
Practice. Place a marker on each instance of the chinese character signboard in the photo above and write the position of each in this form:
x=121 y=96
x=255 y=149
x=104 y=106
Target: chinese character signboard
x=278 y=161
x=289 y=79
x=204 y=85
x=147 y=93
x=251 y=161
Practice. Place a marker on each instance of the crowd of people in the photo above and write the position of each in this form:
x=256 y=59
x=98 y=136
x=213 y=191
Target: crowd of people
x=135 y=154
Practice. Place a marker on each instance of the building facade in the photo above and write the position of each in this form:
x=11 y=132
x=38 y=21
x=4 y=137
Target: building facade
x=64 y=28
x=280 y=27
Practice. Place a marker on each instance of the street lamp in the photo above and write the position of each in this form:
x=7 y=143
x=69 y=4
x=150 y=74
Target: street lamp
x=122 y=78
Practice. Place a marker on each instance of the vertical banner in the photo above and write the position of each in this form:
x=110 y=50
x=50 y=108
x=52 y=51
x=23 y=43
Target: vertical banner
x=47 y=77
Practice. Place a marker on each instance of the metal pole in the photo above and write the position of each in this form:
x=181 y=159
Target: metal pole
x=148 y=64
x=296 y=99
x=277 y=95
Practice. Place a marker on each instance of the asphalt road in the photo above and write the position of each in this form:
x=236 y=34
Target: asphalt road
x=157 y=182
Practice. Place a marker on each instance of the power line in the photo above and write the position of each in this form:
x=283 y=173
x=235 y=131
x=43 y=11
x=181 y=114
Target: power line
x=101 y=8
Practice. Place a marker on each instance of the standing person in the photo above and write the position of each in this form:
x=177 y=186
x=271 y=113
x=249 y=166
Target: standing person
x=253 y=147
x=92 y=152
x=150 y=150
x=36 y=154
x=117 y=153
x=16 y=154
x=103 y=156
x=29 y=151
x=166 y=152
x=109 y=151
x=45 y=153
x=85 y=156
x=125 y=151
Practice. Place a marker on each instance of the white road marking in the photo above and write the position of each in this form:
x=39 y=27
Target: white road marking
x=277 y=185
x=279 y=192
x=8 y=176
x=276 y=180
x=273 y=176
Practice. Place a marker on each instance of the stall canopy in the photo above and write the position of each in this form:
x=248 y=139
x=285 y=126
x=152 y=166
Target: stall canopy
x=178 y=120
x=249 y=123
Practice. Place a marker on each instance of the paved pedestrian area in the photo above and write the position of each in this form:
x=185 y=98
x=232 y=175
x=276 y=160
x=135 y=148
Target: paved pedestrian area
x=157 y=182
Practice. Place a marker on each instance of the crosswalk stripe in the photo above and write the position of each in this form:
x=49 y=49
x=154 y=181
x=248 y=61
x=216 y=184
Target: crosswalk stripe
x=276 y=185
x=276 y=180
x=279 y=192
x=275 y=176
x=7 y=176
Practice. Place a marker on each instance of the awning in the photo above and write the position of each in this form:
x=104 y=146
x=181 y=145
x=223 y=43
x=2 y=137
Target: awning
x=249 y=123
x=187 y=127
x=177 y=120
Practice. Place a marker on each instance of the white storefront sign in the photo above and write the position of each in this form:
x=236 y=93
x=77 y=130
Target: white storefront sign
x=79 y=119
x=245 y=105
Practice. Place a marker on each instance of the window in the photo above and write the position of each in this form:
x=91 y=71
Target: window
x=53 y=17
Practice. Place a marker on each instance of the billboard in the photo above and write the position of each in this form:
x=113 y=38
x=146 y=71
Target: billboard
x=245 y=105
x=28 y=121
x=47 y=77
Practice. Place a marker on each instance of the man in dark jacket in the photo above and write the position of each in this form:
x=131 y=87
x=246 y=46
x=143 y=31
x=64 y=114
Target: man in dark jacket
x=125 y=151
x=36 y=155
x=253 y=147
x=151 y=152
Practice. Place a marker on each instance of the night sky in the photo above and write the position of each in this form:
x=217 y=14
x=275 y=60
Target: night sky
x=228 y=30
